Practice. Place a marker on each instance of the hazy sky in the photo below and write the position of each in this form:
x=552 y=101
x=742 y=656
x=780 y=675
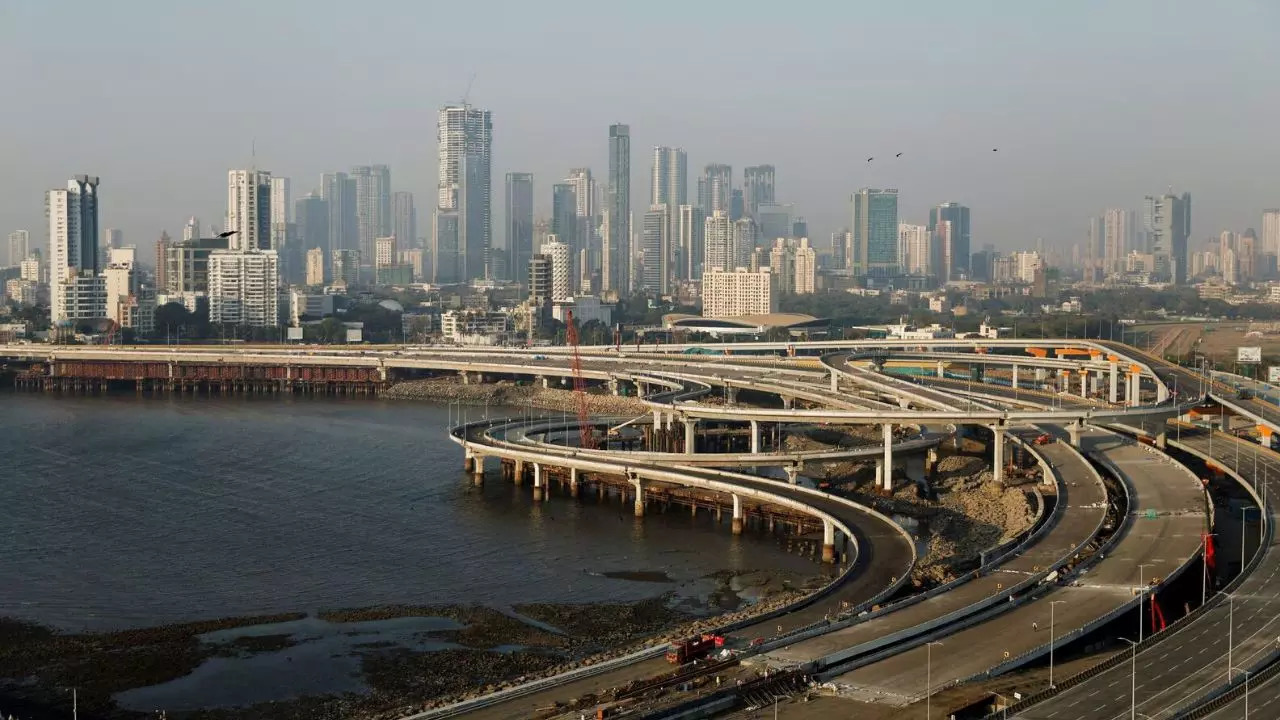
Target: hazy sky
x=1092 y=104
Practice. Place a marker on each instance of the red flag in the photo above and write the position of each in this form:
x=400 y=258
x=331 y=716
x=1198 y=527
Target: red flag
x=1157 y=616
x=1208 y=551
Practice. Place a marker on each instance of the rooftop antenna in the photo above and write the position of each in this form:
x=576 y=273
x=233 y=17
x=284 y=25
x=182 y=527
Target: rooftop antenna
x=466 y=95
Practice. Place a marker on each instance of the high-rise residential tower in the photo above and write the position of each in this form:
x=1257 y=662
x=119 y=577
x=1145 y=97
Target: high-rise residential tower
x=561 y=267
x=717 y=244
x=373 y=206
x=281 y=206
x=757 y=188
x=716 y=189
x=958 y=216
x=249 y=209
x=616 y=254
x=519 y=236
x=1169 y=219
x=73 y=251
x=875 y=232
x=404 y=219
x=655 y=248
x=19 y=246
x=339 y=191
x=564 y=214
x=463 y=236
x=689 y=239
x=191 y=231
x=1269 y=242
x=915 y=248
x=1120 y=231
x=669 y=184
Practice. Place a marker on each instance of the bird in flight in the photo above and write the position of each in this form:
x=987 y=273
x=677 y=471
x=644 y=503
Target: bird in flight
x=898 y=155
x=995 y=149
x=870 y=159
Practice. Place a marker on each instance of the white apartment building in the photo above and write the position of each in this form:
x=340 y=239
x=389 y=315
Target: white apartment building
x=281 y=206
x=806 y=269
x=914 y=243
x=30 y=269
x=84 y=297
x=73 y=249
x=782 y=262
x=249 y=209
x=384 y=252
x=19 y=246
x=475 y=327
x=315 y=267
x=244 y=287
x=738 y=292
x=561 y=268
x=717 y=243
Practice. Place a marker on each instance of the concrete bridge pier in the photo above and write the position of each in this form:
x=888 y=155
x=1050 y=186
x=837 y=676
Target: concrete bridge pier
x=835 y=381
x=639 y=506
x=478 y=470
x=1114 y=394
x=793 y=473
x=468 y=460
x=545 y=382
x=1015 y=376
x=736 y=524
x=537 y=482
x=941 y=370
x=613 y=386
x=690 y=436
x=1133 y=392
x=573 y=482
x=1073 y=431
x=1084 y=383
x=731 y=395
x=517 y=475
x=888 y=456
x=828 y=542
x=755 y=437
x=997 y=453
x=788 y=402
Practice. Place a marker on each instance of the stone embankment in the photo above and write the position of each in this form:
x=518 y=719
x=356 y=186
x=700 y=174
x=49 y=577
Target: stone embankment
x=509 y=394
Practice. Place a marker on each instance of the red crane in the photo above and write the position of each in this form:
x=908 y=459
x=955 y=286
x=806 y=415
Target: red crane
x=586 y=439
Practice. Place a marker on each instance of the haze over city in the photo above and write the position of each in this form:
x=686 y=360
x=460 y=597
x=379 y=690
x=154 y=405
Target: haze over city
x=1092 y=105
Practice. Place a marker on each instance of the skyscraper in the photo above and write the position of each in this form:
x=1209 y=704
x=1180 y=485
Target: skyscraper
x=1120 y=231
x=1270 y=240
x=718 y=243
x=315 y=267
x=670 y=181
x=716 y=189
x=1170 y=225
x=463 y=234
x=339 y=191
x=875 y=232
x=616 y=255
x=404 y=219
x=191 y=231
x=958 y=215
x=280 y=209
x=689 y=239
x=373 y=206
x=311 y=218
x=249 y=209
x=655 y=248
x=561 y=267
x=519 y=239
x=112 y=238
x=806 y=268
x=20 y=246
x=757 y=188
x=73 y=249
x=915 y=248
x=746 y=237
x=564 y=214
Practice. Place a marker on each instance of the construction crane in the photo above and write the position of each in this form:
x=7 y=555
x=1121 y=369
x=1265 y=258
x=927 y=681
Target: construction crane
x=586 y=439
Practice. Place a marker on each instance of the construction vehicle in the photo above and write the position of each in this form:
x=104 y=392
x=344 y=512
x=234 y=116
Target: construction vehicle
x=1043 y=439
x=694 y=648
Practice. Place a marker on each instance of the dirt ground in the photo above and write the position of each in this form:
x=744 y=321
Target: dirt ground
x=1217 y=341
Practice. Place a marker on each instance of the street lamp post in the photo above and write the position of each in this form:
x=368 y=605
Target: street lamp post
x=928 y=692
x=1247 y=673
x=1051 y=639
x=1133 y=680
x=1244 y=520
x=1142 y=595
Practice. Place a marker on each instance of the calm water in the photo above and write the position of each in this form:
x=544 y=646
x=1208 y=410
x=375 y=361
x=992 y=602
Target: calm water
x=124 y=511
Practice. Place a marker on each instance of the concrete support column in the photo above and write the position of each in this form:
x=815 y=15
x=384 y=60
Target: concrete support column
x=997 y=453
x=538 y=489
x=888 y=456
x=1135 y=390
x=793 y=473
x=1084 y=382
x=835 y=382
x=573 y=482
x=788 y=402
x=468 y=460
x=941 y=370
x=1073 y=430
x=657 y=420
x=1041 y=374
x=613 y=386
x=517 y=477
x=755 y=436
x=546 y=382
x=466 y=379
x=478 y=471
x=690 y=436
x=1162 y=391
x=828 y=541
x=639 y=506
x=1162 y=440
x=1015 y=376
x=1115 y=380
x=737 y=515
x=732 y=395
x=880 y=482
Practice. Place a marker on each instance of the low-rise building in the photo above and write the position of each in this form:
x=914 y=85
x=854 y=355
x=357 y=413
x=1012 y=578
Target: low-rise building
x=308 y=306
x=475 y=327
x=736 y=293
x=585 y=309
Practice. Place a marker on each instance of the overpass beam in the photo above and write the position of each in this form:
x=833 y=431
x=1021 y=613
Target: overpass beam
x=1115 y=381
x=537 y=482
x=755 y=437
x=997 y=453
x=736 y=525
x=887 y=430
x=690 y=436
x=828 y=541
x=639 y=505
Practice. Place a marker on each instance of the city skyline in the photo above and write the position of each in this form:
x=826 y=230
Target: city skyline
x=1155 y=142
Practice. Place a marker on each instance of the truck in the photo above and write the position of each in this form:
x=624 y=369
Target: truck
x=1043 y=439
x=694 y=648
